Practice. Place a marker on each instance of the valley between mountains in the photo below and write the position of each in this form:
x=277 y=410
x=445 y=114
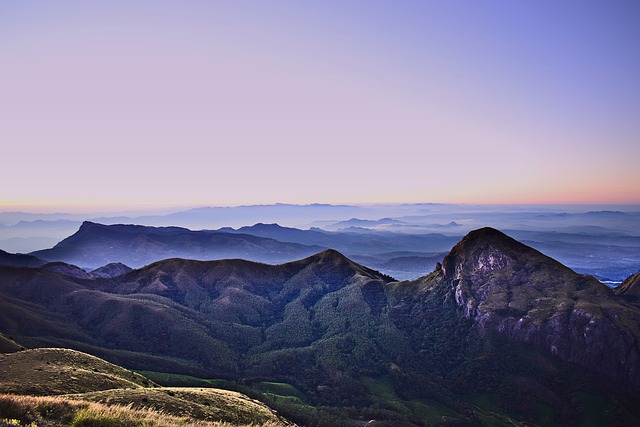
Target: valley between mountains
x=496 y=334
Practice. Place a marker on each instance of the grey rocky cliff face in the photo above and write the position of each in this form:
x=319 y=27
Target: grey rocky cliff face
x=510 y=288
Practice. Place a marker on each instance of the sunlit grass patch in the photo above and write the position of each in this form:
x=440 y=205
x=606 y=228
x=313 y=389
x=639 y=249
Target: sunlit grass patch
x=57 y=411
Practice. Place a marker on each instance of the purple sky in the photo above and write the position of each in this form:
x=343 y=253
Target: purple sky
x=169 y=103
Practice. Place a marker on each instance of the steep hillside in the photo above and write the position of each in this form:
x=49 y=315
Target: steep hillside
x=8 y=345
x=629 y=289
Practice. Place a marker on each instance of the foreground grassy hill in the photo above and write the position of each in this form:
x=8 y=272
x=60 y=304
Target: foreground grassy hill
x=92 y=392
x=60 y=411
x=205 y=404
x=51 y=371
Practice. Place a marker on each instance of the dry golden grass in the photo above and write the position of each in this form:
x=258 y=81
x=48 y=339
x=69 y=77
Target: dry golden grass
x=206 y=404
x=58 y=411
x=95 y=393
x=49 y=371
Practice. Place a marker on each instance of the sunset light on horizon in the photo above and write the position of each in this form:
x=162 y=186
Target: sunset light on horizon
x=159 y=104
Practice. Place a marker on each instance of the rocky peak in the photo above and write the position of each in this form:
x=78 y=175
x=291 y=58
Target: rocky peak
x=508 y=287
x=88 y=225
x=481 y=252
x=490 y=270
x=86 y=231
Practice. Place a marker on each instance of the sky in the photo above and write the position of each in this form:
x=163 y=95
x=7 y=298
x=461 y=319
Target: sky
x=216 y=103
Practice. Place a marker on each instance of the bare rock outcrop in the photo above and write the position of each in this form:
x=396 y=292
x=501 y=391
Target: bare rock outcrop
x=508 y=287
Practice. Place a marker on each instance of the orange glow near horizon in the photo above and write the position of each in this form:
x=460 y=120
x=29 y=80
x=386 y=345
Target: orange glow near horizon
x=230 y=105
x=121 y=208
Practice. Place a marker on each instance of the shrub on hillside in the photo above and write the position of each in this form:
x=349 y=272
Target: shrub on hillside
x=13 y=409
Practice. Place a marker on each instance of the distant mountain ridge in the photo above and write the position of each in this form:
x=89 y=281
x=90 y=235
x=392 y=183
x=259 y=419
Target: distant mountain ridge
x=353 y=243
x=400 y=255
x=109 y=270
x=357 y=222
x=95 y=245
x=599 y=240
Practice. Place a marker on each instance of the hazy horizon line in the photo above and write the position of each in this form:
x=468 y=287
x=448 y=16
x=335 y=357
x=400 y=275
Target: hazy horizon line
x=116 y=209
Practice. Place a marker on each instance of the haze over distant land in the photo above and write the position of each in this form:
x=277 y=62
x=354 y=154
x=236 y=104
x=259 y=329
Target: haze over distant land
x=403 y=241
x=130 y=105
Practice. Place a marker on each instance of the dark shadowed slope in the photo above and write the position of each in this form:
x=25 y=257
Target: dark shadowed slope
x=8 y=345
x=66 y=270
x=20 y=260
x=95 y=245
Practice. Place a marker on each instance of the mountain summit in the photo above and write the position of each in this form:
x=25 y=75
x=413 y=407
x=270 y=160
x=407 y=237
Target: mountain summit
x=491 y=270
x=508 y=287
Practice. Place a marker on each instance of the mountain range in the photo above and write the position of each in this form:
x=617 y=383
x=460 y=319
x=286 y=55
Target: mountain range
x=603 y=241
x=496 y=334
x=95 y=245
